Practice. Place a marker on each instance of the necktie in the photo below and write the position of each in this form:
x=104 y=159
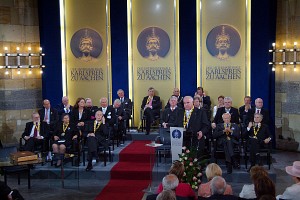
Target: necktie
x=35 y=133
x=122 y=100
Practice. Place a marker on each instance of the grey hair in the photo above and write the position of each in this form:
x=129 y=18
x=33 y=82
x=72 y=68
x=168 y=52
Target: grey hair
x=170 y=182
x=166 y=195
x=120 y=90
x=173 y=97
x=117 y=101
x=218 y=185
x=228 y=98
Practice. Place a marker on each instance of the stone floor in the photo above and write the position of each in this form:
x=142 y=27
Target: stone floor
x=86 y=185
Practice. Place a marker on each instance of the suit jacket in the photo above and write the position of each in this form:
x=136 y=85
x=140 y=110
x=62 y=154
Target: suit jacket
x=75 y=116
x=127 y=106
x=233 y=112
x=244 y=116
x=262 y=133
x=220 y=197
x=198 y=122
x=101 y=133
x=221 y=136
x=206 y=100
x=156 y=103
x=44 y=129
x=172 y=117
x=68 y=134
x=53 y=117
x=110 y=116
x=92 y=110
x=60 y=109
x=264 y=112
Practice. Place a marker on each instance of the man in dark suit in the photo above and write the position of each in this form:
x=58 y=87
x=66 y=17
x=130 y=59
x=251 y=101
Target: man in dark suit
x=95 y=133
x=126 y=103
x=218 y=187
x=108 y=112
x=226 y=109
x=170 y=116
x=35 y=133
x=244 y=111
x=259 y=109
x=49 y=115
x=151 y=105
x=205 y=99
x=176 y=93
x=92 y=109
x=196 y=124
x=64 y=107
x=258 y=136
x=121 y=117
x=228 y=135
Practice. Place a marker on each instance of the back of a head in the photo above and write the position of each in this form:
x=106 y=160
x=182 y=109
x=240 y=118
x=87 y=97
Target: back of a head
x=177 y=168
x=257 y=172
x=267 y=197
x=170 y=182
x=213 y=170
x=166 y=195
x=218 y=185
x=264 y=186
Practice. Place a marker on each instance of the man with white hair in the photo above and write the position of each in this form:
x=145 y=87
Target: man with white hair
x=226 y=109
x=218 y=187
x=170 y=116
x=64 y=107
x=259 y=103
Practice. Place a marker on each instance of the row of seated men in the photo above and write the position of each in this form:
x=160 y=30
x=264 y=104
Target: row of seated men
x=81 y=121
x=228 y=125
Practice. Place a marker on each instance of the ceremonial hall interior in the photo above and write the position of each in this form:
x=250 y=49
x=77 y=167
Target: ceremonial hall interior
x=108 y=99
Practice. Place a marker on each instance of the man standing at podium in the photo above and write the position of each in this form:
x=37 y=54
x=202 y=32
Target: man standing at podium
x=196 y=124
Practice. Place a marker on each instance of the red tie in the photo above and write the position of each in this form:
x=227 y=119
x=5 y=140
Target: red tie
x=35 y=133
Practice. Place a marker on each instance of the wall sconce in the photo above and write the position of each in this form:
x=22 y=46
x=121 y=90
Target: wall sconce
x=285 y=56
x=18 y=57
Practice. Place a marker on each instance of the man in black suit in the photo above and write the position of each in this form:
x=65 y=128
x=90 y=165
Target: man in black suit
x=64 y=107
x=258 y=136
x=259 y=109
x=176 y=93
x=244 y=112
x=196 y=124
x=218 y=187
x=95 y=133
x=126 y=103
x=205 y=99
x=108 y=112
x=35 y=133
x=151 y=105
x=170 y=116
x=92 y=109
x=49 y=115
x=121 y=117
x=226 y=109
x=228 y=135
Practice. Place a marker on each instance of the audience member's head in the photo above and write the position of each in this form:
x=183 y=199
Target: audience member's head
x=294 y=171
x=213 y=170
x=267 y=197
x=264 y=186
x=257 y=172
x=117 y=103
x=226 y=118
x=247 y=100
x=188 y=102
x=80 y=103
x=259 y=103
x=176 y=92
x=65 y=100
x=103 y=102
x=120 y=93
x=170 y=182
x=35 y=117
x=46 y=103
x=177 y=169
x=227 y=102
x=218 y=185
x=221 y=100
x=88 y=102
x=151 y=91
x=166 y=195
x=173 y=101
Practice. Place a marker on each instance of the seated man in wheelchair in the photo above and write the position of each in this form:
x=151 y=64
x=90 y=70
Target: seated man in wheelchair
x=65 y=138
x=96 y=133
x=121 y=117
x=35 y=134
x=258 y=136
x=227 y=135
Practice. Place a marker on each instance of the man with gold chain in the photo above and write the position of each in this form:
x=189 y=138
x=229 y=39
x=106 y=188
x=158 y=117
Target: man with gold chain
x=151 y=105
x=96 y=133
x=227 y=135
x=196 y=126
x=258 y=137
x=35 y=133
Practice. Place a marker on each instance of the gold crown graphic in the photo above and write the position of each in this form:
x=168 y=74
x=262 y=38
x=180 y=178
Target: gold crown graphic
x=86 y=37
x=153 y=36
x=223 y=35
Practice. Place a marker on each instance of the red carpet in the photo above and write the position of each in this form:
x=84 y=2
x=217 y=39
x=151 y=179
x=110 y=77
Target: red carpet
x=131 y=174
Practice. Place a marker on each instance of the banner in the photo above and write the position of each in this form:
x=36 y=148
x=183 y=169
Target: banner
x=153 y=49
x=176 y=135
x=224 y=49
x=86 y=44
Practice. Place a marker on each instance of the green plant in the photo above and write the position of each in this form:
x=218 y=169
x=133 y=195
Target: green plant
x=192 y=168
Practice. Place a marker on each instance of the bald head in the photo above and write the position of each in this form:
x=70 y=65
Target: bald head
x=217 y=185
x=188 y=102
x=259 y=103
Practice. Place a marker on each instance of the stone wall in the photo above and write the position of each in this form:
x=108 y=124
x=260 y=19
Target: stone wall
x=20 y=94
x=287 y=87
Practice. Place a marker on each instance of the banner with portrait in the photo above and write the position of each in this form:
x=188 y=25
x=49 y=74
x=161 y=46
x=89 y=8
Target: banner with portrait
x=153 y=54
x=224 y=48
x=86 y=42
